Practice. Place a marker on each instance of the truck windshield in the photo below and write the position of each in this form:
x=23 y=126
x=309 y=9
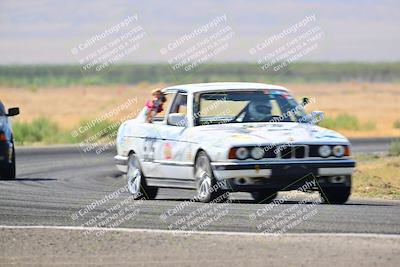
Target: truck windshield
x=246 y=106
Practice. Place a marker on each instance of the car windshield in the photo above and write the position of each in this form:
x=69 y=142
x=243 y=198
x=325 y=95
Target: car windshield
x=247 y=106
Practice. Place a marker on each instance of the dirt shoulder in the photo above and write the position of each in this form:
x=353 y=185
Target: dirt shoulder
x=377 y=176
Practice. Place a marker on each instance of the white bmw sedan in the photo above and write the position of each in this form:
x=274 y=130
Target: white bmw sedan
x=234 y=137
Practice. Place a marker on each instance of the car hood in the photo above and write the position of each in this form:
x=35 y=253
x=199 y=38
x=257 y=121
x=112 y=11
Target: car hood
x=263 y=133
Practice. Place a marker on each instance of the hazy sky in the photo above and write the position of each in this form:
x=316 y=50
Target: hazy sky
x=46 y=31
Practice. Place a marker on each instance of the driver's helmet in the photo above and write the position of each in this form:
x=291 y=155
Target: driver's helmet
x=259 y=110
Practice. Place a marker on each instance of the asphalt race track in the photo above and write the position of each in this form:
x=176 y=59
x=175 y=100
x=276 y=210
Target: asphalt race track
x=57 y=186
x=55 y=183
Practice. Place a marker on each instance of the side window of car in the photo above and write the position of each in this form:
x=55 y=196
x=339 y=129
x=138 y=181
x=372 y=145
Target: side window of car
x=275 y=109
x=180 y=104
x=169 y=97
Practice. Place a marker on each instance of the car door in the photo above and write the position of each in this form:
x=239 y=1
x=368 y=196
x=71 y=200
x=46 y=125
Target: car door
x=150 y=145
x=173 y=152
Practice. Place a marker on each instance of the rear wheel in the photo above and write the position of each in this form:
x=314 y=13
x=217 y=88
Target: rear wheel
x=264 y=196
x=137 y=181
x=206 y=185
x=8 y=170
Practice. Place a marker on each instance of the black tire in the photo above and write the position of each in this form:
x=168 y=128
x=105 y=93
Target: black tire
x=150 y=192
x=335 y=195
x=138 y=188
x=207 y=188
x=264 y=196
x=8 y=171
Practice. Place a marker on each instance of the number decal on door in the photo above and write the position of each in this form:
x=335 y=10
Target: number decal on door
x=148 y=149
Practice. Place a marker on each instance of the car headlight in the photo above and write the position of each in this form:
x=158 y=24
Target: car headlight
x=324 y=151
x=338 y=151
x=242 y=153
x=257 y=153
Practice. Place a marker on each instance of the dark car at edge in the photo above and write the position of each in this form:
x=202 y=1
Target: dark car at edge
x=7 y=149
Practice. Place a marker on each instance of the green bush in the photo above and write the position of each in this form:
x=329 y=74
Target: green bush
x=45 y=131
x=394 y=149
x=40 y=130
x=343 y=121
x=347 y=122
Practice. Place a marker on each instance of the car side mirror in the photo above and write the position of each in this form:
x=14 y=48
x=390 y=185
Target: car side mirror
x=305 y=101
x=177 y=119
x=316 y=117
x=13 y=112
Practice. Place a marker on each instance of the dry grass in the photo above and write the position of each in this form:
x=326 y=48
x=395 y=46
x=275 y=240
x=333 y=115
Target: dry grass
x=378 y=103
x=377 y=176
x=69 y=106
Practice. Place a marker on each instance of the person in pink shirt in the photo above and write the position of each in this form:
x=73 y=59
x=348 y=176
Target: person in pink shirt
x=155 y=105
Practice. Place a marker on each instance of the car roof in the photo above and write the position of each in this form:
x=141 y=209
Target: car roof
x=201 y=87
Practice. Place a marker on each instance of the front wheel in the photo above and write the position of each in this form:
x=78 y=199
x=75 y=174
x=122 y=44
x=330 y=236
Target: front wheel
x=337 y=194
x=137 y=185
x=207 y=188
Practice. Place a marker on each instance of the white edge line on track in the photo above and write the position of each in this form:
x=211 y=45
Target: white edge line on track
x=185 y=233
